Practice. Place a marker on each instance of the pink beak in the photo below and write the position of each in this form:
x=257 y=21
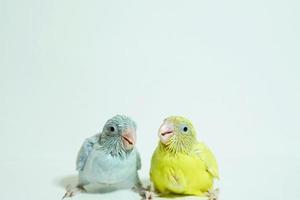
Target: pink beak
x=129 y=139
x=165 y=131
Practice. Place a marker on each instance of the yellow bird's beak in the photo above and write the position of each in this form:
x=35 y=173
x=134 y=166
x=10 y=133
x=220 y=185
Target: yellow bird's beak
x=165 y=132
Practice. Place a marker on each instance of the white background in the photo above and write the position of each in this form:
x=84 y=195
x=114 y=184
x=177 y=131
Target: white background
x=232 y=67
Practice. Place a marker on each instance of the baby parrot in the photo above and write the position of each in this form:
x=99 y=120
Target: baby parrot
x=110 y=157
x=180 y=164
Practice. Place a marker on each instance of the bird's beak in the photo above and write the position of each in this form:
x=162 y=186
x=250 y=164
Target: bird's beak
x=165 y=132
x=128 y=138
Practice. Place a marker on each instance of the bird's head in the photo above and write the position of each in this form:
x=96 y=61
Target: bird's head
x=119 y=134
x=177 y=134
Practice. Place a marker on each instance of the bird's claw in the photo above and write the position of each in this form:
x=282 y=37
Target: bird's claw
x=148 y=195
x=145 y=193
x=72 y=191
x=68 y=194
x=149 y=192
x=213 y=194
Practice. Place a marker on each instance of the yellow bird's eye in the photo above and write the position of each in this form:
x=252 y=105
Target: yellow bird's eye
x=185 y=129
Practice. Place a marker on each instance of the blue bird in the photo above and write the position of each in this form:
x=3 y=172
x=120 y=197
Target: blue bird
x=110 y=158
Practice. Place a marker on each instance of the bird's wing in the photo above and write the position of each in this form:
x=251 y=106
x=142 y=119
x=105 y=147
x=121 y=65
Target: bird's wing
x=204 y=153
x=85 y=150
x=138 y=160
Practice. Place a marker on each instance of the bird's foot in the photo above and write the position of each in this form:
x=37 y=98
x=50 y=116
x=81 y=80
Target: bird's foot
x=145 y=193
x=148 y=195
x=72 y=191
x=213 y=194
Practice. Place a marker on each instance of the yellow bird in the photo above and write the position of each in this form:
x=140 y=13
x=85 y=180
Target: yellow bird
x=180 y=164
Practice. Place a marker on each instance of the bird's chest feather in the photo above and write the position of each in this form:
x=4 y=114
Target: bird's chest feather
x=105 y=168
x=176 y=172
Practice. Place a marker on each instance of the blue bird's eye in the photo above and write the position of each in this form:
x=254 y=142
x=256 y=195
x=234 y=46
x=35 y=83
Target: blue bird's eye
x=112 y=129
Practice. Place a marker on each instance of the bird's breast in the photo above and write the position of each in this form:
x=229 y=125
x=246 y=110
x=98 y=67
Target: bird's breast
x=108 y=169
x=181 y=174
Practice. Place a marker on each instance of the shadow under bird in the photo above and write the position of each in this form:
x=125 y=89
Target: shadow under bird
x=180 y=164
x=110 y=158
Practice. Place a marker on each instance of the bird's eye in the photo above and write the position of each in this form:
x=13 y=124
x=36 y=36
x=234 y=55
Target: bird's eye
x=112 y=129
x=185 y=129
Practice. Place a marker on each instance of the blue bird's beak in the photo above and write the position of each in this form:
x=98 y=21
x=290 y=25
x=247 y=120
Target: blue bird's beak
x=129 y=138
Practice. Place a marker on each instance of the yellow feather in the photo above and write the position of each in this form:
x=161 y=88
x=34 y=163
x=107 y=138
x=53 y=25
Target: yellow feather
x=208 y=158
x=180 y=173
x=183 y=172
